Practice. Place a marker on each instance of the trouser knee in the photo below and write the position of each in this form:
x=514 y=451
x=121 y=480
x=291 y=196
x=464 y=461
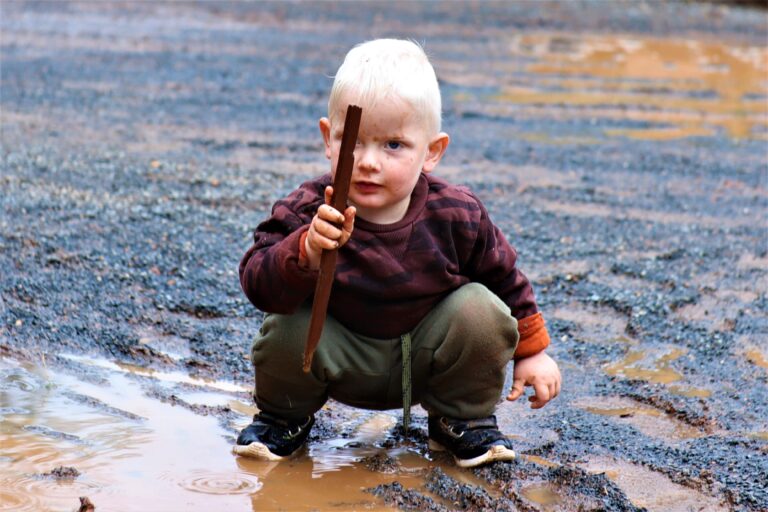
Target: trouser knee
x=468 y=340
x=282 y=387
x=476 y=315
x=281 y=340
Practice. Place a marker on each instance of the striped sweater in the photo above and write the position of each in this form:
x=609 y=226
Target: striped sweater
x=388 y=277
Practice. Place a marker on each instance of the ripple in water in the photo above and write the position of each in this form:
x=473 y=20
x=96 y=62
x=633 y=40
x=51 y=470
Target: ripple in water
x=34 y=485
x=20 y=379
x=221 y=483
x=16 y=500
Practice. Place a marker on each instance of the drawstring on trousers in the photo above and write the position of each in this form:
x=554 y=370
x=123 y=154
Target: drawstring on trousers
x=405 y=343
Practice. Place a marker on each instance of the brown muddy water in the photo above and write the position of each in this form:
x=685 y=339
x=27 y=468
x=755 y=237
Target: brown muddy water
x=138 y=453
x=143 y=437
x=638 y=78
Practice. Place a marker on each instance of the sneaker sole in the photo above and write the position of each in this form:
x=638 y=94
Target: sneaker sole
x=496 y=453
x=256 y=451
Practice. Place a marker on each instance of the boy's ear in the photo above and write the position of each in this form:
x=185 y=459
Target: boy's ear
x=435 y=151
x=325 y=130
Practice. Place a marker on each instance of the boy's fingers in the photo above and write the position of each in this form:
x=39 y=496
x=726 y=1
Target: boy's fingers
x=328 y=194
x=330 y=214
x=516 y=391
x=318 y=242
x=326 y=230
x=330 y=229
x=541 y=395
x=349 y=218
x=556 y=385
x=323 y=234
x=349 y=224
x=551 y=389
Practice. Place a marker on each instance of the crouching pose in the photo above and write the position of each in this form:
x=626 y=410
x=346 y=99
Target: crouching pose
x=428 y=305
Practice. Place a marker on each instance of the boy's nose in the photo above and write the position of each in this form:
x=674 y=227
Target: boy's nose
x=367 y=159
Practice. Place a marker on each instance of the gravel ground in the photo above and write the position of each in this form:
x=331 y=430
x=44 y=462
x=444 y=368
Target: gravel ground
x=142 y=142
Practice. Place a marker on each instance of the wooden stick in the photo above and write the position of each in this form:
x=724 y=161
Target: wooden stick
x=328 y=258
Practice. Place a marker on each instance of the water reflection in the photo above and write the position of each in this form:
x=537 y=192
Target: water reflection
x=756 y=357
x=650 y=489
x=690 y=391
x=649 y=420
x=542 y=494
x=639 y=364
x=683 y=87
x=123 y=458
x=309 y=483
x=172 y=377
x=332 y=473
x=134 y=452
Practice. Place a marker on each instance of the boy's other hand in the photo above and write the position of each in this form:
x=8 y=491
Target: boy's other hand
x=541 y=372
x=330 y=229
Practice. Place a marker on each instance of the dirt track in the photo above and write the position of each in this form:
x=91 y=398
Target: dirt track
x=621 y=148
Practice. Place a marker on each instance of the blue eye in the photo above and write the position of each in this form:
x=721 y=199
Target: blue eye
x=393 y=144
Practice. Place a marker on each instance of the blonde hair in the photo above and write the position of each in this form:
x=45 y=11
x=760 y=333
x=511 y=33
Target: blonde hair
x=388 y=68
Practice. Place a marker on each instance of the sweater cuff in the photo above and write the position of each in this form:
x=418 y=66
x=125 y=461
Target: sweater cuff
x=533 y=336
x=291 y=270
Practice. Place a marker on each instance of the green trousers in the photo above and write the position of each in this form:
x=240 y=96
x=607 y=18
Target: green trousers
x=459 y=354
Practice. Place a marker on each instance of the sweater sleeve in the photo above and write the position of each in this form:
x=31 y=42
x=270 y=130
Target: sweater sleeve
x=493 y=263
x=270 y=274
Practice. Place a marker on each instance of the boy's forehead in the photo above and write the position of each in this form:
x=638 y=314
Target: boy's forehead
x=384 y=114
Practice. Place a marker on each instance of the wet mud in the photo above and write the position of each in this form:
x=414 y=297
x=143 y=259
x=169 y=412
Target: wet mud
x=621 y=147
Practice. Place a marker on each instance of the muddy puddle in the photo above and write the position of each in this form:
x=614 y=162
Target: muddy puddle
x=153 y=436
x=134 y=452
x=114 y=439
x=651 y=490
x=123 y=444
x=653 y=422
x=684 y=87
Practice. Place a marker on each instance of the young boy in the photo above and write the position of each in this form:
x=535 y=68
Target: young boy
x=427 y=303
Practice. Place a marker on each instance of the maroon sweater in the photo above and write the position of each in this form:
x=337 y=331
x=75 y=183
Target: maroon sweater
x=388 y=277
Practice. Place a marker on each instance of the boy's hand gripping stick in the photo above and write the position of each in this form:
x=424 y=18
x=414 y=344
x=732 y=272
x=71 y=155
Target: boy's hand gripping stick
x=328 y=258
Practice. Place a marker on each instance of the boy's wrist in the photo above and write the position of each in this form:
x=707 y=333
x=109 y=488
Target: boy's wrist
x=307 y=257
x=527 y=356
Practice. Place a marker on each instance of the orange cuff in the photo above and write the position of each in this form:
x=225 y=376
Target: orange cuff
x=533 y=336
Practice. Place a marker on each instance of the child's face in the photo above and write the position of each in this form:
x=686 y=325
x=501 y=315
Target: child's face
x=393 y=148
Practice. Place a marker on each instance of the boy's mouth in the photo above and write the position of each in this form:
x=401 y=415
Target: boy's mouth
x=366 y=186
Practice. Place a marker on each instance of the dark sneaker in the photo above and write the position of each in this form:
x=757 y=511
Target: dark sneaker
x=272 y=438
x=471 y=442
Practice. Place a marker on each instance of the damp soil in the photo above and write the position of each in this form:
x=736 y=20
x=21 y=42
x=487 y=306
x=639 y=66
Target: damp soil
x=619 y=146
